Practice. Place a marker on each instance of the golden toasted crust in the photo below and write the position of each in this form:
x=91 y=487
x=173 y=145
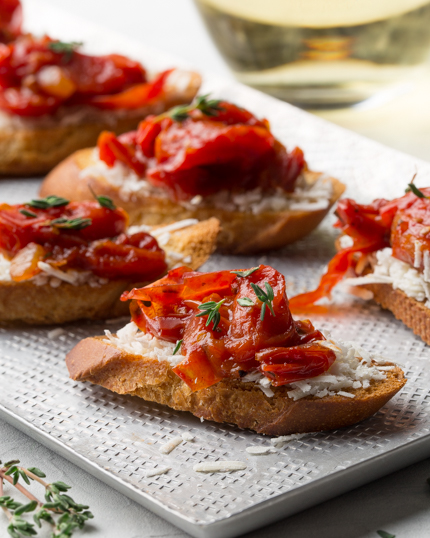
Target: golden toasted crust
x=233 y=401
x=34 y=150
x=242 y=232
x=407 y=309
x=24 y=302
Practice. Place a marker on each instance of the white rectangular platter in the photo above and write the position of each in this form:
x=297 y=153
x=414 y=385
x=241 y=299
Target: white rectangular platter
x=118 y=438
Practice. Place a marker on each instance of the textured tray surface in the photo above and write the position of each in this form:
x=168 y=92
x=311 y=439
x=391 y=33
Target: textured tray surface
x=123 y=435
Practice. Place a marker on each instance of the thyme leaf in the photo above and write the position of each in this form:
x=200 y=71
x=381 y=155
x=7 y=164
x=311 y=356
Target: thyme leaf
x=104 y=201
x=28 y=214
x=245 y=301
x=211 y=310
x=178 y=346
x=49 y=201
x=244 y=274
x=415 y=190
x=385 y=534
x=266 y=297
x=66 y=48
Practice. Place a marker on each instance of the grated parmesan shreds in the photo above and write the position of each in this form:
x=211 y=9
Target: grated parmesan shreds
x=219 y=466
x=353 y=368
x=187 y=437
x=55 y=333
x=400 y=275
x=305 y=197
x=260 y=450
x=171 y=445
x=157 y=472
x=280 y=441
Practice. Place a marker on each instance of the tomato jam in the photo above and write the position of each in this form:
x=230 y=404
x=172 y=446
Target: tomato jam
x=191 y=151
x=38 y=75
x=403 y=224
x=76 y=235
x=228 y=323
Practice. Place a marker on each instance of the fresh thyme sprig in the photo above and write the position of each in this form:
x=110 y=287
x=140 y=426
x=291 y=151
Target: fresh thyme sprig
x=104 y=201
x=266 y=297
x=78 y=223
x=57 y=503
x=49 y=201
x=211 y=310
x=66 y=48
x=209 y=107
x=244 y=274
x=385 y=534
x=178 y=346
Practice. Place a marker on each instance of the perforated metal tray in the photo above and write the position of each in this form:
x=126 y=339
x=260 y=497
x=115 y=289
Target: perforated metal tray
x=118 y=438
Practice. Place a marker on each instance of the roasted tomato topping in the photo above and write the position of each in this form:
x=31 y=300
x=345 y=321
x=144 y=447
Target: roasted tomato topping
x=38 y=75
x=205 y=150
x=76 y=235
x=230 y=323
x=10 y=20
x=403 y=224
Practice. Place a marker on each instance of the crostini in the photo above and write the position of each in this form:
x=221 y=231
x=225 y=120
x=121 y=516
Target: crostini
x=61 y=261
x=55 y=100
x=208 y=158
x=384 y=249
x=225 y=347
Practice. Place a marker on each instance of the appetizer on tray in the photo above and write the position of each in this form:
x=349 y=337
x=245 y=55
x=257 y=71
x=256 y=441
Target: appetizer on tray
x=225 y=347
x=62 y=261
x=384 y=248
x=208 y=158
x=55 y=99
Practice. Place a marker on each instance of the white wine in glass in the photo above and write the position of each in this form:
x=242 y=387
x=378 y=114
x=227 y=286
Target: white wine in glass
x=319 y=53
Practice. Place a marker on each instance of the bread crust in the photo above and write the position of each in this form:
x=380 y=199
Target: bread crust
x=24 y=302
x=34 y=149
x=242 y=232
x=406 y=309
x=232 y=401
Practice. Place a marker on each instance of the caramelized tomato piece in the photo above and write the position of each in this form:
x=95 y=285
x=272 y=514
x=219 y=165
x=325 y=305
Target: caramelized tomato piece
x=10 y=20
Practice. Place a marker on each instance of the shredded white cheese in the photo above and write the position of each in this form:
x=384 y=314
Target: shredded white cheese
x=171 y=445
x=219 y=466
x=156 y=472
x=353 y=368
x=400 y=275
x=259 y=450
x=55 y=333
x=187 y=437
x=280 y=441
x=306 y=197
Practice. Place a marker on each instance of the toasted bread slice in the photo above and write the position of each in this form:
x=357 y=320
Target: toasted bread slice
x=241 y=233
x=25 y=302
x=32 y=147
x=232 y=401
x=406 y=309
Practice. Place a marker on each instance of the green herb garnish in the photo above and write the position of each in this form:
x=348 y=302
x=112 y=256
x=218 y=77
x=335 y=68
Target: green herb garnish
x=104 y=201
x=245 y=301
x=266 y=297
x=211 y=309
x=58 y=509
x=66 y=48
x=415 y=190
x=49 y=201
x=209 y=107
x=73 y=224
x=177 y=347
x=28 y=214
x=384 y=534
x=244 y=274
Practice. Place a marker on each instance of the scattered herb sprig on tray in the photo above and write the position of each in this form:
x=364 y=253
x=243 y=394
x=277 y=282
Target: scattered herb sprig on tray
x=58 y=510
x=266 y=297
x=385 y=534
x=209 y=107
x=211 y=310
